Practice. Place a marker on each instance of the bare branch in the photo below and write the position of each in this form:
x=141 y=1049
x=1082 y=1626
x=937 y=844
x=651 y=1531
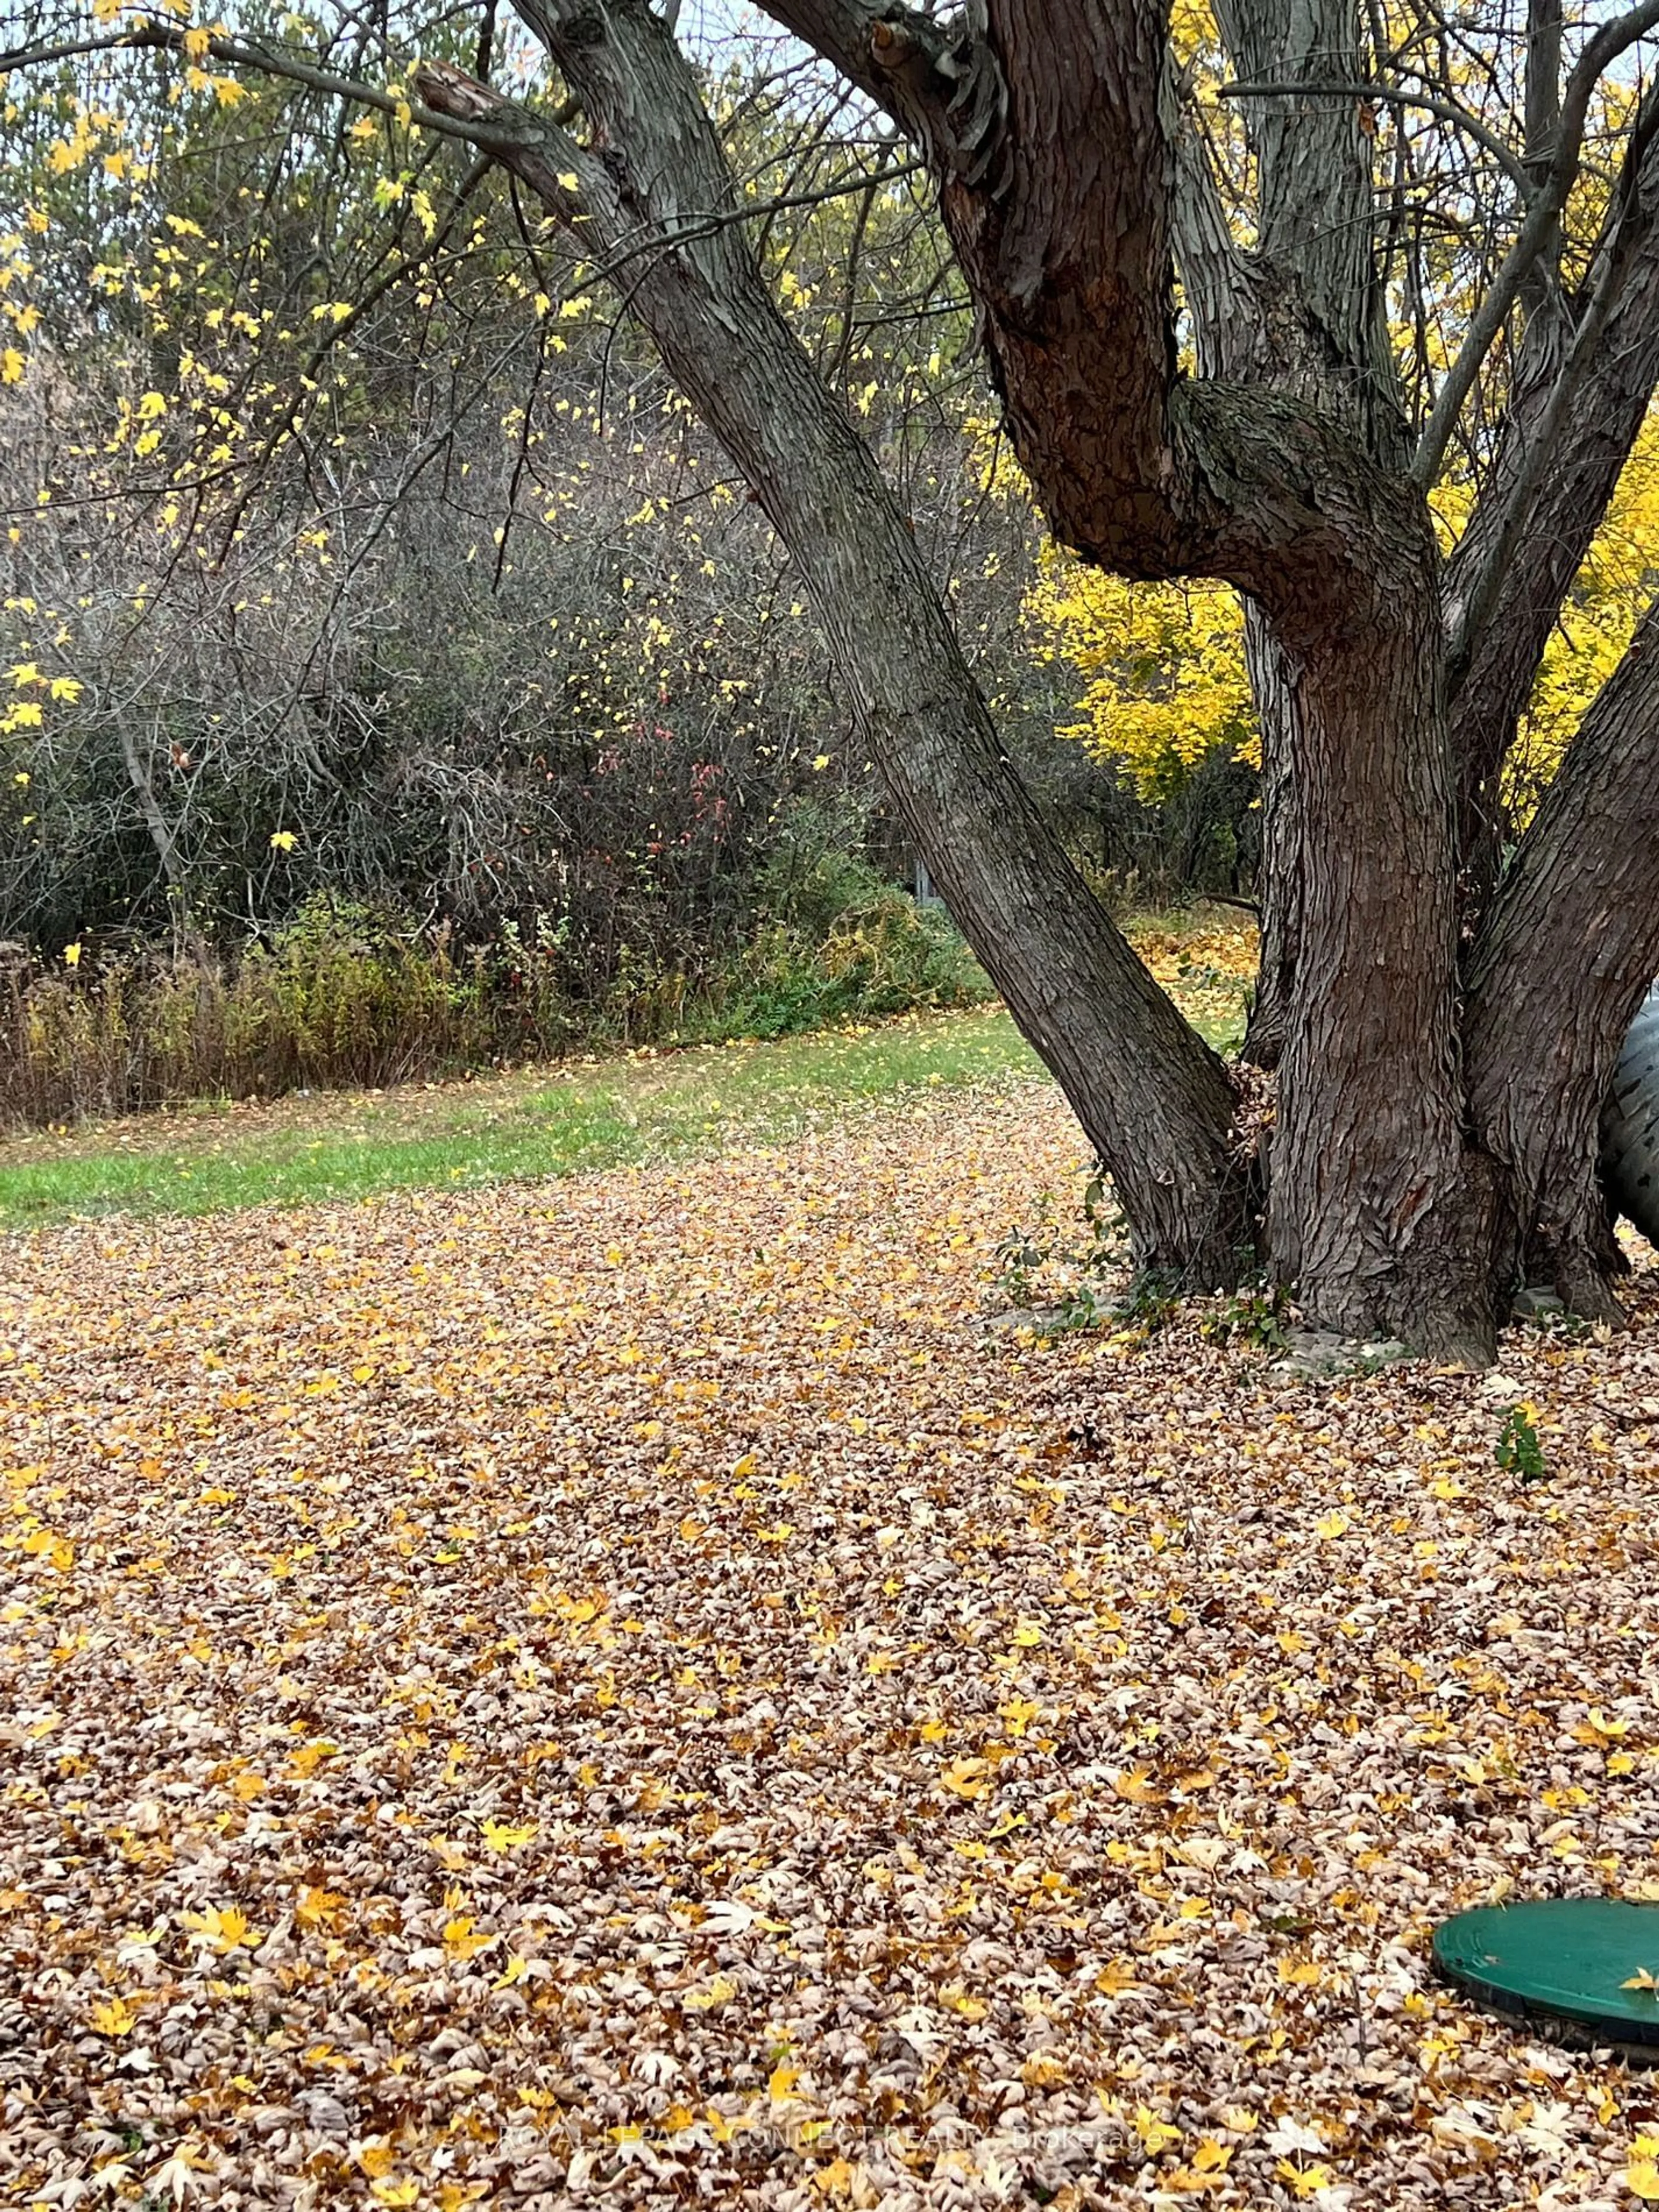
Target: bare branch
x=1536 y=233
x=1388 y=95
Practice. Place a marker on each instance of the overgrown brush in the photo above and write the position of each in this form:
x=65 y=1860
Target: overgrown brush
x=344 y=996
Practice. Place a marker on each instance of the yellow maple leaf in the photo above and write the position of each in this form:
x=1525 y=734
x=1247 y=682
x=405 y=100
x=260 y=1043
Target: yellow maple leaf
x=1334 y=1524
x=1304 y=2180
x=1597 y=1728
x=462 y=1940
x=959 y=2000
x=395 y=2192
x=711 y=1995
x=1642 y=1978
x=225 y=1928
x=500 y=1838
x=1157 y=2135
x=1135 y=1786
x=965 y=1778
x=783 y=2079
x=307 y=1756
x=114 y=2016
x=1642 y=2180
x=375 y=2158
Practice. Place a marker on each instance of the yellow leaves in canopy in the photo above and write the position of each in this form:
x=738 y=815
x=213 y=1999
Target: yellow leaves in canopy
x=1192 y=30
x=1164 y=667
x=1608 y=596
x=1165 y=682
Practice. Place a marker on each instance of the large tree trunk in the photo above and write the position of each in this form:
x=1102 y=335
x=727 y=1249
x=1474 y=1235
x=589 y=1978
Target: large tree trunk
x=1153 y=1099
x=1567 y=952
x=1278 y=469
x=1377 y=1211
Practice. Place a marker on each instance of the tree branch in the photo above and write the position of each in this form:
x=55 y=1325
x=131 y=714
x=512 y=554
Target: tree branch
x=1536 y=235
x=723 y=340
x=1571 y=427
x=1388 y=95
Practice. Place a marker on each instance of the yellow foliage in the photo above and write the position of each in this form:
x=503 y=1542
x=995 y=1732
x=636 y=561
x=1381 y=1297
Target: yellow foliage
x=1165 y=684
x=1607 y=601
x=1163 y=665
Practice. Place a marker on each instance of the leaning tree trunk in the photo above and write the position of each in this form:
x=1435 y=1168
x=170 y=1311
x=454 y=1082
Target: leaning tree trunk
x=1047 y=127
x=1153 y=1098
x=1567 y=953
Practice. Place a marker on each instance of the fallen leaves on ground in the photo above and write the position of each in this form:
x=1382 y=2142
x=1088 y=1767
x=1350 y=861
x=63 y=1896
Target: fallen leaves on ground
x=621 y=1691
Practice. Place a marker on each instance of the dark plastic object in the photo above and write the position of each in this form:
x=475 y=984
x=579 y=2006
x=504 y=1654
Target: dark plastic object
x=1562 y=1964
x=1629 y=1123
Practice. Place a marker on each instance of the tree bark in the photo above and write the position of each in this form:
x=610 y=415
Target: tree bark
x=1155 y=1103
x=1376 y=1209
x=1047 y=124
x=1567 y=952
x=1278 y=886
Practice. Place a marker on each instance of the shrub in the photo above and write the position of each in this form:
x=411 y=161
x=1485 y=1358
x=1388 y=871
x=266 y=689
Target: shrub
x=348 y=995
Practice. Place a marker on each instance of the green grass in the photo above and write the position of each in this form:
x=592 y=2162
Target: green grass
x=301 y=1150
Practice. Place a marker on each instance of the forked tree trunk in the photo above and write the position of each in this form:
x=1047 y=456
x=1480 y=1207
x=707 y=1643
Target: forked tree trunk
x=1046 y=126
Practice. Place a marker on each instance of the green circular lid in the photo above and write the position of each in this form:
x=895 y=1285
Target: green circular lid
x=1589 y=1965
